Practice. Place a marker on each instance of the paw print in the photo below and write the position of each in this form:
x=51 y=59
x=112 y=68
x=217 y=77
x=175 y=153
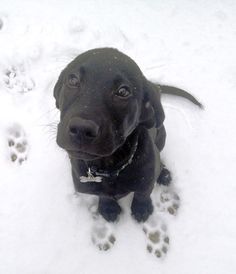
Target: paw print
x=157 y=238
x=16 y=80
x=167 y=200
x=102 y=236
x=102 y=232
x=1 y=23
x=17 y=144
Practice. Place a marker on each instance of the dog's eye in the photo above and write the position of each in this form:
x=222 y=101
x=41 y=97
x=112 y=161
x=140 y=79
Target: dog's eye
x=73 y=81
x=123 y=92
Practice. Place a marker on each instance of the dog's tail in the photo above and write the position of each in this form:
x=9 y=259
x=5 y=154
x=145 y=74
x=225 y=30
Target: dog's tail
x=179 y=92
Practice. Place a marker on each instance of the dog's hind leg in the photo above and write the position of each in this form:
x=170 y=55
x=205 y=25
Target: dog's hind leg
x=160 y=138
x=165 y=177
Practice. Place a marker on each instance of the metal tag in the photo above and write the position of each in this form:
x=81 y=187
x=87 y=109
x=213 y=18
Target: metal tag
x=90 y=178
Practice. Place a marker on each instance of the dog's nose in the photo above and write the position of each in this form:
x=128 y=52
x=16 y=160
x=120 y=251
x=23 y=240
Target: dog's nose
x=83 y=129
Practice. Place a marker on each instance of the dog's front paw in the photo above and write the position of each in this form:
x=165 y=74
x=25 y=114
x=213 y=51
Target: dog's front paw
x=141 y=209
x=109 y=209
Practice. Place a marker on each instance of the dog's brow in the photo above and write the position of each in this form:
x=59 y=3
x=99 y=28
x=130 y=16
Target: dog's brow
x=118 y=79
x=82 y=70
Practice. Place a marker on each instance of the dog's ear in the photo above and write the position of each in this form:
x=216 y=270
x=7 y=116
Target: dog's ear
x=57 y=88
x=152 y=114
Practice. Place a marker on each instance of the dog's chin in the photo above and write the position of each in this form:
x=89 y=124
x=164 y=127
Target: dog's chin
x=83 y=155
x=86 y=155
x=90 y=156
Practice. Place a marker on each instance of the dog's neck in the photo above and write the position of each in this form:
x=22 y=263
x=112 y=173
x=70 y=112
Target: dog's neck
x=112 y=165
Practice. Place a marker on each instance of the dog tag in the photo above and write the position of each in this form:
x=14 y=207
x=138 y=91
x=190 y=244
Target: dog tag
x=90 y=178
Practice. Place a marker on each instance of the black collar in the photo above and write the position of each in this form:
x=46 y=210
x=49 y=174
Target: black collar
x=129 y=148
x=94 y=171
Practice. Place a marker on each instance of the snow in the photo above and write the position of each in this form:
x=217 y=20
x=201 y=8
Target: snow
x=44 y=227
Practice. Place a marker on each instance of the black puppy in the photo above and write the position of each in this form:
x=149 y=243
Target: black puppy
x=111 y=125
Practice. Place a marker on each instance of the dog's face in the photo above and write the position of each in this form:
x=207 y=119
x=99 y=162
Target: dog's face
x=103 y=96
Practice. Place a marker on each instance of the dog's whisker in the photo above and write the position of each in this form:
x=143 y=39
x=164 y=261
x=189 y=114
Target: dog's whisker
x=52 y=138
x=155 y=67
x=51 y=130
x=49 y=125
x=49 y=112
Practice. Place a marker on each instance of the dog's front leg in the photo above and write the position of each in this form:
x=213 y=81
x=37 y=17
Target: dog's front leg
x=141 y=207
x=109 y=208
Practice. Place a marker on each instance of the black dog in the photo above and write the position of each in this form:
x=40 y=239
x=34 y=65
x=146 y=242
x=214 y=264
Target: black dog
x=111 y=125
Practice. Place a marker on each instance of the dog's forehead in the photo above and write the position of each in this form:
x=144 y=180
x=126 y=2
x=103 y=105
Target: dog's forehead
x=105 y=62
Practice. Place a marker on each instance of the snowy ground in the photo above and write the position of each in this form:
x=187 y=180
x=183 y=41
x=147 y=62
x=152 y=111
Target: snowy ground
x=44 y=227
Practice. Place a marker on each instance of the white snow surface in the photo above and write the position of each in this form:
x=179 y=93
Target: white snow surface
x=44 y=227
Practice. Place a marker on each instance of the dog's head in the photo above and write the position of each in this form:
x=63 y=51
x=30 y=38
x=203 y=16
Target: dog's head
x=103 y=96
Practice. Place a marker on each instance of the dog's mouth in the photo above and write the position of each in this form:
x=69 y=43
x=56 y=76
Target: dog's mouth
x=81 y=155
x=87 y=156
x=91 y=152
x=90 y=156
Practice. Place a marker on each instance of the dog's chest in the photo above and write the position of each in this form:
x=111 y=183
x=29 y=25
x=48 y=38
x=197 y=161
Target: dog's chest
x=136 y=175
